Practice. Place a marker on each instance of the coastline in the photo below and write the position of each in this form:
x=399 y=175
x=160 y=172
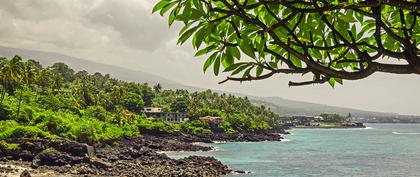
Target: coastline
x=326 y=127
x=130 y=156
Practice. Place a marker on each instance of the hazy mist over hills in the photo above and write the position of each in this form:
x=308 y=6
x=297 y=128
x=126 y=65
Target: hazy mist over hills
x=49 y=58
x=283 y=107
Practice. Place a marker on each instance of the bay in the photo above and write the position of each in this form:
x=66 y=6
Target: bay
x=378 y=150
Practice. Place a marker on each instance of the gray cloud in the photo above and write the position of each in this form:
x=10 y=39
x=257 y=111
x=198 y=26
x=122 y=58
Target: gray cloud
x=133 y=21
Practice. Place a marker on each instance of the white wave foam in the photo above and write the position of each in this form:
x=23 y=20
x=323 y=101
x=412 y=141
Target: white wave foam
x=219 y=142
x=243 y=172
x=216 y=149
x=197 y=143
x=369 y=128
x=408 y=133
x=286 y=140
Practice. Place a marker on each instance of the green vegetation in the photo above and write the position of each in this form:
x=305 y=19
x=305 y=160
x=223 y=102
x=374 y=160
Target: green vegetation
x=335 y=118
x=56 y=102
x=331 y=40
x=8 y=146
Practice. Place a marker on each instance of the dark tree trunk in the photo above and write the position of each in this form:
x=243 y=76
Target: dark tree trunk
x=20 y=103
x=3 y=94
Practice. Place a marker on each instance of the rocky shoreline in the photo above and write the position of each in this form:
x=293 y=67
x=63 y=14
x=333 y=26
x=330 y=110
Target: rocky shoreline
x=129 y=156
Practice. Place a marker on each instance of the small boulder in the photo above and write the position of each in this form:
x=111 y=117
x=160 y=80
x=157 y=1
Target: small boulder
x=25 y=173
x=52 y=157
x=72 y=147
x=99 y=163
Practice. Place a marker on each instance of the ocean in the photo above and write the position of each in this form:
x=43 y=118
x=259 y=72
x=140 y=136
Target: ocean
x=380 y=150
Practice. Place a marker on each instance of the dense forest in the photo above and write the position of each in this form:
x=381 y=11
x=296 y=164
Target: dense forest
x=56 y=101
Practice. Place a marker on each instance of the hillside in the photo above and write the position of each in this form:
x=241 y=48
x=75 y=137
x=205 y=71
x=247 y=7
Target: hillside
x=290 y=107
x=48 y=58
x=283 y=107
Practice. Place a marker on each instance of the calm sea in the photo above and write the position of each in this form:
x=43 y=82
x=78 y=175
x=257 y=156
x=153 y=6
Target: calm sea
x=379 y=150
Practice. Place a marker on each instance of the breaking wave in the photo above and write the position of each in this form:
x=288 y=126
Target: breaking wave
x=405 y=133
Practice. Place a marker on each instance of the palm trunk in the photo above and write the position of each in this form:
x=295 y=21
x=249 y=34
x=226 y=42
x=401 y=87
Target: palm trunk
x=20 y=103
x=36 y=94
x=2 y=96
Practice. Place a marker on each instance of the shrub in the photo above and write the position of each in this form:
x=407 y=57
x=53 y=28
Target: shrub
x=26 y=115
x=115 y=132
x=85 y=133
x=8 y=146
x=56 y=124
x=197 y=127
x=97 y=112
x=50 y=102
x=227 y=128
x=156 y=127
x=7 y=124
x=24 y=132
x=5 y=112
x=133 y=102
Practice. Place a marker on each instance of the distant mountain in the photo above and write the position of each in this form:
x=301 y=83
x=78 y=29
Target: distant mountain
x=290 y=107
x=279 y=105
x=49 y=58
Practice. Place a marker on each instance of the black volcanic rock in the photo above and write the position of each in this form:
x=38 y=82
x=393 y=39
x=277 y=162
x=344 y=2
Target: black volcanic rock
x=25 y=173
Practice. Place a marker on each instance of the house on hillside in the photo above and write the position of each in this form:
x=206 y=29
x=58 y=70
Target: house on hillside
x=174 y=117
x=318 y=119
x=156 y=112
x=213 y=120
x=302 y=120
x=152 y=110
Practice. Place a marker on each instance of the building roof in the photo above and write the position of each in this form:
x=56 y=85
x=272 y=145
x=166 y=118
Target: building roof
x=211 y=118
x=128 y=113
x=152 y=109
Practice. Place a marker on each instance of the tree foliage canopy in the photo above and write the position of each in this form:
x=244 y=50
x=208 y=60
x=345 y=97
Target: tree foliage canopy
x=56 y=101
x=330 y=39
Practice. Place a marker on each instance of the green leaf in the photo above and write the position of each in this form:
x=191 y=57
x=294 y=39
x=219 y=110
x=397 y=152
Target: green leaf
x=209 y=61
x=316 y=54
x=239 y=69
x=198 y=5
x=235 y=52
x=171 y=17
x=273 y=64
x=216 y=66
x=205 y=50
x=296 y=61
x=246 y=73
x=160 y=5
x=259 y=70
x=166 y=8
x=227 y=59
x=339 y=80
x=347 y=18
x=233 y=66
x=198 y=37
x=353 y=31
x=246 y=46
x=187 y=34
x=331 y=81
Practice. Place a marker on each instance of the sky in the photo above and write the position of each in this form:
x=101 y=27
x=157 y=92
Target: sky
x=126 y=33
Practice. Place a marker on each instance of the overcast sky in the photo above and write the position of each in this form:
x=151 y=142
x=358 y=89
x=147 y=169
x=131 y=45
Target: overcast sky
x=125 y=33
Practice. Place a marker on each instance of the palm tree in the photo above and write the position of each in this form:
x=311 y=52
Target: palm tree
x=117 y=94
x=29 y=74
x=56 y=83
x=44 y=78
x=10 y=74
x=157 y=88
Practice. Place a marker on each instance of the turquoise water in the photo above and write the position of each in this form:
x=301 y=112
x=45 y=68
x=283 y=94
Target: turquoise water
x=379 y=150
